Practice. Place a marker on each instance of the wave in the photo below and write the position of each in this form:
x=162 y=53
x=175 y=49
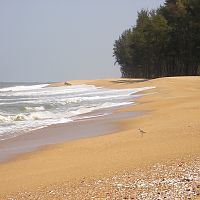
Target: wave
x=80 y=99
x=26 y=117
x=39 y=108
x=41 y=115
x=92 y=116
x=26 y=108
x=23 y=88
x=136 y=90
x=74 y=98
x=116 y=94
x=38 y=91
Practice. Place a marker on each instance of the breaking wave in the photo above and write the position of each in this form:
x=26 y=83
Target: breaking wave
x=23 y=88
x=28 y=107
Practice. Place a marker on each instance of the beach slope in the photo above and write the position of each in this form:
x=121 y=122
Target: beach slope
x=168 y=130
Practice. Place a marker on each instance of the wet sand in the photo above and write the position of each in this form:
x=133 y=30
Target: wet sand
x=54 y=134
x=169 y=130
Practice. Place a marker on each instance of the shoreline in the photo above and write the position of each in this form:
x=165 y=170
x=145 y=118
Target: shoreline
x=33 y=141
x=171 y=127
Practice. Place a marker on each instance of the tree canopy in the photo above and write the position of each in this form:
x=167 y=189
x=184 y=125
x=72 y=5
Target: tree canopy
x=164 y=42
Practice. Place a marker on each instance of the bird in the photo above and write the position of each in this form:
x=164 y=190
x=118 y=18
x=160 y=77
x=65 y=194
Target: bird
x=141 y=131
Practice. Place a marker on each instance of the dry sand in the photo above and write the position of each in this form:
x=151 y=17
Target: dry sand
x=171 y=128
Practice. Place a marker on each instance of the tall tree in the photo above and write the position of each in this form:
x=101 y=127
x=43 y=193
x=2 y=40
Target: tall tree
x=164 y=42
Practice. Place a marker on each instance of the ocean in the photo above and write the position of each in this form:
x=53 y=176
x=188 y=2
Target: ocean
x=29 y=106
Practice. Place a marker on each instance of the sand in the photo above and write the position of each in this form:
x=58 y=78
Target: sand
x=169 y=130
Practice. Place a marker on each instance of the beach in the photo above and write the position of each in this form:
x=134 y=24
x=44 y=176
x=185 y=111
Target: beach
x=167 y=133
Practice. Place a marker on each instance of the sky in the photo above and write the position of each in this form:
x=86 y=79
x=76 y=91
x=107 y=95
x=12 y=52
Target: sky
x=60 y=40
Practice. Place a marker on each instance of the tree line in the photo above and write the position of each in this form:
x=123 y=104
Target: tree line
x=164 y=42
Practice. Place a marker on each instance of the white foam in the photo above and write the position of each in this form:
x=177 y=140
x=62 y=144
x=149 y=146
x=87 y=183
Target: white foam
x=3 y=119
x=91 y=116
x=142 y=89
x=27 y=117
x=38 y=106
x=110 y=105
x=23 y=88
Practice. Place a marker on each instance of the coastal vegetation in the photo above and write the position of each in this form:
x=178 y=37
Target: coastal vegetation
x=164 y=42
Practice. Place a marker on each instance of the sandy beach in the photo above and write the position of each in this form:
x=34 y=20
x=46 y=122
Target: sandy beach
x=167 y=135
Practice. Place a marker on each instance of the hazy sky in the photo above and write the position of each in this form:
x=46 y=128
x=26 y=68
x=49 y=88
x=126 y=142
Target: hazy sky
x=56 y=40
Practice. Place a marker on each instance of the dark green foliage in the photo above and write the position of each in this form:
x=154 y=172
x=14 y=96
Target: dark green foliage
x=164 y=42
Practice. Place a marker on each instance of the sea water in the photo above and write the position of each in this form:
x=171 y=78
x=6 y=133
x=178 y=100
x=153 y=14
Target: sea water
x=28 y=106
